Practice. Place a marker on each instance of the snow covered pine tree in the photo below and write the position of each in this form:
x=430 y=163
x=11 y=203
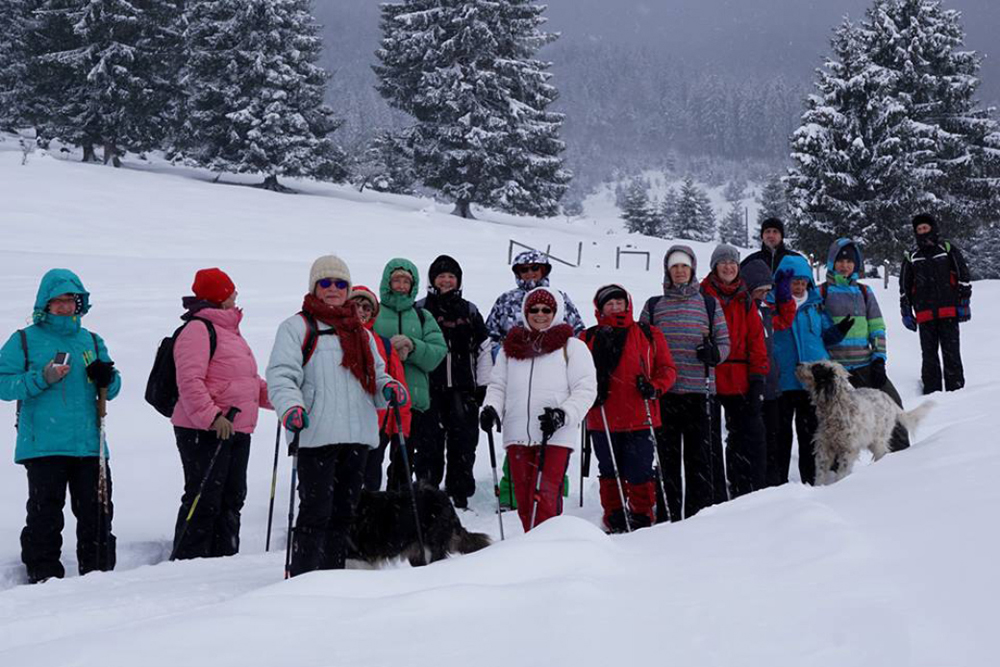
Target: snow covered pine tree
x=466 y=72
x=639 y=214
x=694 y=218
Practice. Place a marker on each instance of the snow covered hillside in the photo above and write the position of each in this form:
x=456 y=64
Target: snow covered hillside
x=895 y=565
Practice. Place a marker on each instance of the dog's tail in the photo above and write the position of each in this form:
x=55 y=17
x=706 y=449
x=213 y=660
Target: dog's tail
x=464 y=542
x=912 y=418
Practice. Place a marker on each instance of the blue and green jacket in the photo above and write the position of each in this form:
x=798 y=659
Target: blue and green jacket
x=59 y=419
x=865 y=340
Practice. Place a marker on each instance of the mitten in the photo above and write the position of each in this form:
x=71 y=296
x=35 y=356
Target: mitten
x=101 y=373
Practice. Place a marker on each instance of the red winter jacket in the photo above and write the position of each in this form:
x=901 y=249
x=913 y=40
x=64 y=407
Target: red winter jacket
x=747 y=350
x=624 y=405
x=394 y=367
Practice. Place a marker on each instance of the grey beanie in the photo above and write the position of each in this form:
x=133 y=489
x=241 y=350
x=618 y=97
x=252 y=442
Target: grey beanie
x=756 y=274
x=724 y=252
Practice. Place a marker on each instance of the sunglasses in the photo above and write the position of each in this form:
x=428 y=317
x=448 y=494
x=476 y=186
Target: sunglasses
x=544 y=310
x=525 y=268
x=326 y=283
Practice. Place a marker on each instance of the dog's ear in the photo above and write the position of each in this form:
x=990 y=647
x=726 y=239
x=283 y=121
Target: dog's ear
x=825 y=379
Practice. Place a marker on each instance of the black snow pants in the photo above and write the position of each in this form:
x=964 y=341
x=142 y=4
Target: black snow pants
x=41 y=539
x=330 y=482
x=450 y=425
x=214 y=529
x=794 y=408
x=941 y=334
x=746 y=453
x=685 y=439
x=771 y=415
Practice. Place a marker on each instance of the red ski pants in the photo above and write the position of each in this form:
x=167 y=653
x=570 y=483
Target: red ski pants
x=524 y=474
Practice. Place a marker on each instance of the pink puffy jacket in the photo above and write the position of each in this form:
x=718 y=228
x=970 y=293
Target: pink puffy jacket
x=230 y=379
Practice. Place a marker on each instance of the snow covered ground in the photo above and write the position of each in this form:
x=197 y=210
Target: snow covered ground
x=896 y=565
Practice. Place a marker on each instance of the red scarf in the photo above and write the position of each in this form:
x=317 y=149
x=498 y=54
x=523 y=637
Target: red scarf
x=524 y=343
x=353 y=337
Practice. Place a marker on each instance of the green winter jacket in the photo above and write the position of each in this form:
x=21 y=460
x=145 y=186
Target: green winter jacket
x=397 y=315
x=61 y=419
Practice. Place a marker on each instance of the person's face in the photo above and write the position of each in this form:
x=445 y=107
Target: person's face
x=64 y=304
x=727 y=271
x=401 y=283
x=540 y=316
x=799 y=287
x=531 y=272
x=680 y=274
x=332 y=292
x=446 y=282
x=844 y=267
x=365 y=309
x=614 y=306
x=923 y=228
x=761 y=292
x=230 y=302
x=771 y=237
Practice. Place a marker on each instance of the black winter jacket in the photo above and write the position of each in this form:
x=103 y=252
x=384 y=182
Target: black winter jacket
x=469 y=360
x=770 y=257
x=932 y=281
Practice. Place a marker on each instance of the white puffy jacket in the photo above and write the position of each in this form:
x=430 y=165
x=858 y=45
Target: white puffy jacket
x=520 y=390
x=340 y=410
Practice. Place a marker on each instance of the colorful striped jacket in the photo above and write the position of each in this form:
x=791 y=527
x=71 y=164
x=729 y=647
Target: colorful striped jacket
x=846 y=296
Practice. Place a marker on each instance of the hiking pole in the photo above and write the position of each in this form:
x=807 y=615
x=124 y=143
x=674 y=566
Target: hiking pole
x=584 y=458
x=274 y=485
x=231 y=416
x=293 y=449
x=496 y=484
x=659 y=464
x=406 y=470
x=103 y=497
x=538 y=480
x=614 y=464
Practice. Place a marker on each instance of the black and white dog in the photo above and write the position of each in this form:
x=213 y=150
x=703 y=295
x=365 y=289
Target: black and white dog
x=384 y=528
x=850 y=419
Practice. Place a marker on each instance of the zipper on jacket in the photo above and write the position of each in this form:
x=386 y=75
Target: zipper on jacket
x=527 y=423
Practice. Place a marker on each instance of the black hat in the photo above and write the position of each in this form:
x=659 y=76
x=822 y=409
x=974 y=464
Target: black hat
x=773 y=223
x=924 y=219
x=607 y=293
x=756 y=274
x=847 y=252
x=444 y=264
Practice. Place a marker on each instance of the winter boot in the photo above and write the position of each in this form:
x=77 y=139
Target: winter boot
x=641 y=503
x=614 y=513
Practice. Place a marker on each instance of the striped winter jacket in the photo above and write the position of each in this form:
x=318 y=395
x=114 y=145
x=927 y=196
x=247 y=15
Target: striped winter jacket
x=846 y=296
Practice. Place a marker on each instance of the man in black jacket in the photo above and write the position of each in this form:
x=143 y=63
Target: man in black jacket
x=934 y=293
x=458 y=384
x=772 y=245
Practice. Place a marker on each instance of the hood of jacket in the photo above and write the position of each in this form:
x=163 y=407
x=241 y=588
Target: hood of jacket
x=560 y=315
x=831 y=259
x=392 y=300
x=54 y=283
x=531 y=257
x=800 y=268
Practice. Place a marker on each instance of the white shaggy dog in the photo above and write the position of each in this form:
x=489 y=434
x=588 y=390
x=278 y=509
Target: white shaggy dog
x=850 y=419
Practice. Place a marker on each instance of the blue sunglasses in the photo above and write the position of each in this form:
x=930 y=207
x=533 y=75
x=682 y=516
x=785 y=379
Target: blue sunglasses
x=325 y=283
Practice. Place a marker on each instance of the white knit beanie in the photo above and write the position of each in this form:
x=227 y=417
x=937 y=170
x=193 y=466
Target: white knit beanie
x=328 y=266
x=678 y=257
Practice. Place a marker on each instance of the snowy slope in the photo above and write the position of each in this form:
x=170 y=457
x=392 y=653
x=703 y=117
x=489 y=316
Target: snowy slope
x=893 y=566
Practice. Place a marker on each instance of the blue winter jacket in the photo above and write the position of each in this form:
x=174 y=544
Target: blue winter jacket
x=809 y=334
x=61 y=419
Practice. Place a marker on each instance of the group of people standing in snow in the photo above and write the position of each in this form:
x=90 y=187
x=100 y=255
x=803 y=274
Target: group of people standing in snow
x=356 y=373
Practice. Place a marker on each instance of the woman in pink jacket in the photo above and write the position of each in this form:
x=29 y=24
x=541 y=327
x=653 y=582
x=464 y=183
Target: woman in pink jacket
x=216 y=373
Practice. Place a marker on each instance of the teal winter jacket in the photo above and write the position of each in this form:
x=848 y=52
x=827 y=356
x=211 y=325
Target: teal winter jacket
x=59 y=419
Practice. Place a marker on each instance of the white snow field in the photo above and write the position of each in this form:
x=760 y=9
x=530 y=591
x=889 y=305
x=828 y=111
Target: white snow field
x=894 y=566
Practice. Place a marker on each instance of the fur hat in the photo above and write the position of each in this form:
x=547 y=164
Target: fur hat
x=444 y=264
x=212 y=285
x=362 y=292
x=607 y=293
x=328 y=266
x=757 y=274
x=723 y=253
x=773 y=223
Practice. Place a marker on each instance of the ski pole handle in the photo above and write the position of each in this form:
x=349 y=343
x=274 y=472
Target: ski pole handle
x=102 y=402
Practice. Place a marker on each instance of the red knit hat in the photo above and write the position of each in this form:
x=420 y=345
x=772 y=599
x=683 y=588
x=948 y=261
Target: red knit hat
x=540 y=297
x=213 y=285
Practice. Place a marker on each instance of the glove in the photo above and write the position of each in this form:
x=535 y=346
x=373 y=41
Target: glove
x=223 y=427
x=101 y=373
x=480 y=395
x=845 y=325
x=783 y=286
x=708 y=353
x=552 y=419
x=53 y=373
x=964 y=291
x=488 y=419
x=395 y=393
x=402 y=344
x=876 y=373
x=755 y=393
x=646 y=388
x=296 y=419
x=909 y=321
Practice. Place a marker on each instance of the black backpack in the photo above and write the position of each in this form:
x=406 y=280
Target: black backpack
x=161 y=387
